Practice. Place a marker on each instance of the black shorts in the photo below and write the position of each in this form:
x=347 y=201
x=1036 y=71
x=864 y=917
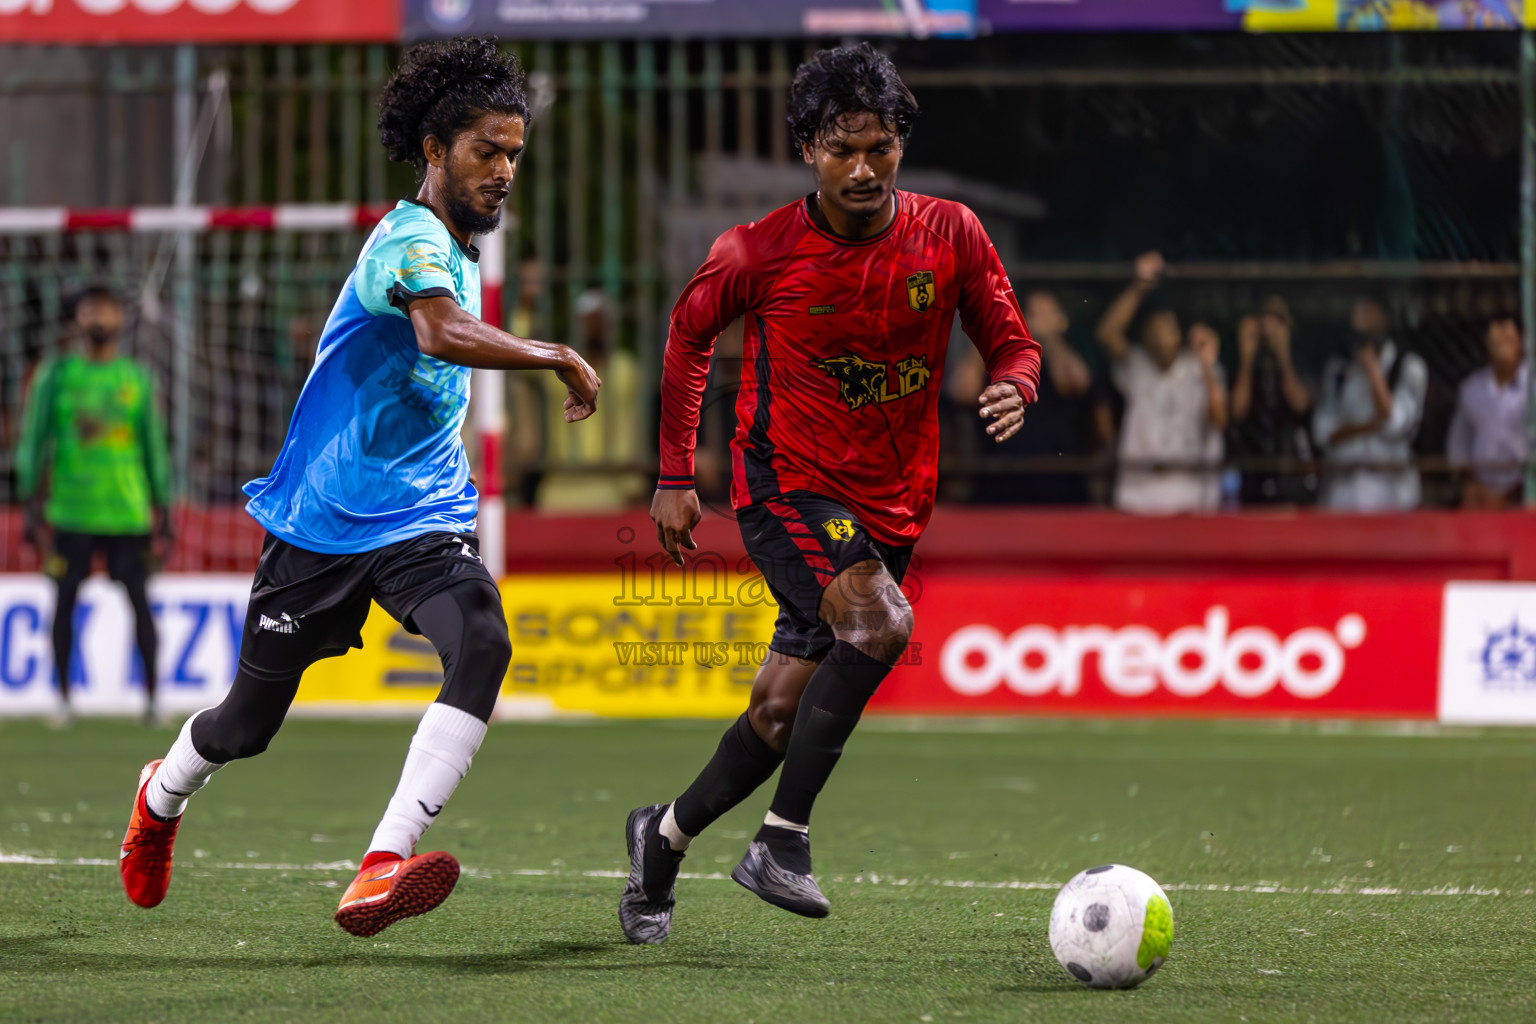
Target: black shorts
x=800 y=541
x=129 y=555
x=306 y=606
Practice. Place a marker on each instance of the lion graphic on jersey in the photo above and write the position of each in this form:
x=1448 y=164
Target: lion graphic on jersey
x=859 y=381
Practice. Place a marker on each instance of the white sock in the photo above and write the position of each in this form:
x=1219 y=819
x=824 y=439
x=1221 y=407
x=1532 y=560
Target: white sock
x=444 y=744
x=676 y=837
x=183 y=773
x=778 y=822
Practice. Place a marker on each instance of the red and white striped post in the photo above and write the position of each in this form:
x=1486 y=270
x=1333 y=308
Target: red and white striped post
x=489 y=402
x=43 y=220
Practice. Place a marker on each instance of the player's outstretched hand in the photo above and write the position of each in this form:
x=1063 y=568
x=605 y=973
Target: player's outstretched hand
x=675 y=513
x=581 y=384
x=1003 y=403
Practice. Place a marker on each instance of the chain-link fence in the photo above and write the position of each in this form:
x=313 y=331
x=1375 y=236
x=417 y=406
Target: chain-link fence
x=1312 y=167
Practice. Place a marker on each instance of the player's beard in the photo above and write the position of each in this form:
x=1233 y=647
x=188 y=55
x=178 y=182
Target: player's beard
x=466 y=217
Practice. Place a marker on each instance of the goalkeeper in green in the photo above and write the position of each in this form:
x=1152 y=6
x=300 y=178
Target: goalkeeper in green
x=94 y=445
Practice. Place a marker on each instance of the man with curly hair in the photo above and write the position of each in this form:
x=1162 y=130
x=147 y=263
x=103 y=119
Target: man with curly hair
x=847 y=298
x=370 y=498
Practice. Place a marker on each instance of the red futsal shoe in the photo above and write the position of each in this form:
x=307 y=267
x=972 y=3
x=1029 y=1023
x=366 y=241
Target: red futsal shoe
x=391 y=890
x=145 y=859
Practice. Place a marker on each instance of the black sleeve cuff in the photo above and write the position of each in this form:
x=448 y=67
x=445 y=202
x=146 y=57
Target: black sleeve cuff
x=674 y=482
x=401 y=297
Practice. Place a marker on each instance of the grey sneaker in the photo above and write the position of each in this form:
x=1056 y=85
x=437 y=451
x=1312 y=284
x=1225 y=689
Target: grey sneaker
x=645 y=909
x=767 y=874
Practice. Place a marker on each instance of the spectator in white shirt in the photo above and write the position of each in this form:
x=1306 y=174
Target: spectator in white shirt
x=1175 y=403
x=1487 y=439
x=1367 y=417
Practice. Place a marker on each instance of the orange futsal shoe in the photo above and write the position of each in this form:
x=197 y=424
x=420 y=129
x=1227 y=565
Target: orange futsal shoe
x=145 y=860
x=396 y=889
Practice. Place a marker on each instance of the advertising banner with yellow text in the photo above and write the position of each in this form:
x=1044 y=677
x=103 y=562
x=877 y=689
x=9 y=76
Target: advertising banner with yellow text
x=581 y=644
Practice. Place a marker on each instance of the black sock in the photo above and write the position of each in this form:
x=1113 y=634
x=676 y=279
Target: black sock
x=742 y=762
x=658 y=870
x=830 y=708
x=790 y=848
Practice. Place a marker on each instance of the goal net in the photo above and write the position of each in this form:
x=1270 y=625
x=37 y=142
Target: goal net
x=223 y=307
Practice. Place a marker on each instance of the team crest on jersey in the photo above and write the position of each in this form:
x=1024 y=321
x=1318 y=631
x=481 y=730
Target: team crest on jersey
x=839 y=529
x=861 y=382
x=921 y=291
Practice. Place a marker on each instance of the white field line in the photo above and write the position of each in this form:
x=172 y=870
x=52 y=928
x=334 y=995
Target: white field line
x=348 y=866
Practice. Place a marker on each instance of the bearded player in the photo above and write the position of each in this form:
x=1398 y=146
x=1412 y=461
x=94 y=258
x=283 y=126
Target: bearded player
x=370 y=498
x=847 y=298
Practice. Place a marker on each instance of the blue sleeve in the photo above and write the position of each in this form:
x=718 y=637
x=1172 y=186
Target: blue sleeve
x=410 y=262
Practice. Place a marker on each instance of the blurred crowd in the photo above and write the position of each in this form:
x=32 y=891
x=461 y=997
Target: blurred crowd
x=1155 y=416
x=1140 y=408
x=1167 y=417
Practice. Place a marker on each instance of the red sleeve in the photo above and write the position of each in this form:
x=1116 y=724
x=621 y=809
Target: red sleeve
x=989 y=312
x=716 y=296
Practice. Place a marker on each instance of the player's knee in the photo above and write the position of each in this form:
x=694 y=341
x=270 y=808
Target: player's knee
x=899 y=631
x=483 y=645
x=881 y=630
x=489 y=650
x=773 y=718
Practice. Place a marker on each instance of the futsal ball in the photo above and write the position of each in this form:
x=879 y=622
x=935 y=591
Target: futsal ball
x=1111 y=927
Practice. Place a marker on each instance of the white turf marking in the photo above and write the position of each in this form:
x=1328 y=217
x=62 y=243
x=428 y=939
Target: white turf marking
x=716 y=876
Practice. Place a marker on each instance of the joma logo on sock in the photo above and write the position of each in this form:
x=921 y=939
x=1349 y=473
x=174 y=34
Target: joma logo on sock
x=285 y=623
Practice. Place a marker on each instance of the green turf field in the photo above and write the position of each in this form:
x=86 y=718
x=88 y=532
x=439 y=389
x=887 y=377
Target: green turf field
x=933 y=843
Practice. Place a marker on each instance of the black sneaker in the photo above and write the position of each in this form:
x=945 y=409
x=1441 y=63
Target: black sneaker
x=777 y=868
x=645 y=909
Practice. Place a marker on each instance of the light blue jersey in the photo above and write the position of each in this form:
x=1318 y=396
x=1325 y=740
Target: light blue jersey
x=373 y=454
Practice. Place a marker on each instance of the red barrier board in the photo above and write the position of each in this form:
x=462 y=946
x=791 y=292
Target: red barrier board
x=1260 y=647
x=198 y=21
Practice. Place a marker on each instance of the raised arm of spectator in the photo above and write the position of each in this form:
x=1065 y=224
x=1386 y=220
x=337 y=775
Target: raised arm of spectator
x=1405 y=403
x=1116 y=322
x=1069 y=371
x=1247 y=353
x=967 y=377
x=1205 y=343
x=1277 y=333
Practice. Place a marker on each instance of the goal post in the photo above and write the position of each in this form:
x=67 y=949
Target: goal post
x=263 y=280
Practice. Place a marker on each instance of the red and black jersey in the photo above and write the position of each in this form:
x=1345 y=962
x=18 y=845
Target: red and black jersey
x=844 y=355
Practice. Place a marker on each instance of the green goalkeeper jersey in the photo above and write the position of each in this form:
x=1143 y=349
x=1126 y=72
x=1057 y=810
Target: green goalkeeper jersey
x=91 y=428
